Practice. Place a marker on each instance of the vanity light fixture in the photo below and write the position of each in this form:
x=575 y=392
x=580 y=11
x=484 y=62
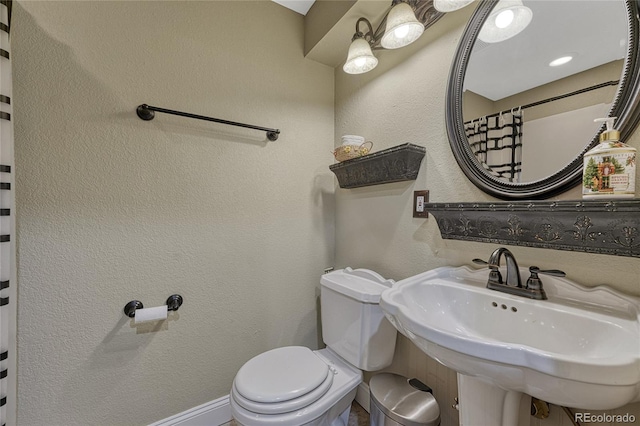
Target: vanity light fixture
x=560 y=61
x=360 y=58
x=450 y=5
x=508 y=18
x=402 y=29
x=403 y=24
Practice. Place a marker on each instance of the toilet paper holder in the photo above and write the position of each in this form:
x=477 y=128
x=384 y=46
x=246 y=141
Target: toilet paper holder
x=173 y=303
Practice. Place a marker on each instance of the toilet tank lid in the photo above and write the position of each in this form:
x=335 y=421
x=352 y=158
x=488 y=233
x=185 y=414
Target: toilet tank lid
x=363 y=285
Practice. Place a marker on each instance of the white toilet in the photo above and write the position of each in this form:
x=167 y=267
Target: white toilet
x=294 y=386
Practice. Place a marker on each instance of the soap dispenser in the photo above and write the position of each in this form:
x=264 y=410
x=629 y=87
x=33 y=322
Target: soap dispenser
x=609 y=169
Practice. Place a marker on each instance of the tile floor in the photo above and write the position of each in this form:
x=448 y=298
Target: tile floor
x=357 y=417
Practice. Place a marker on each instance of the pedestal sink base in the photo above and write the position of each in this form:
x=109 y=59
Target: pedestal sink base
x=481 y=403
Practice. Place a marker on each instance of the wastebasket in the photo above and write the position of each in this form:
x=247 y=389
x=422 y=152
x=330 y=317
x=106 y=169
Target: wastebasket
x=398 y=401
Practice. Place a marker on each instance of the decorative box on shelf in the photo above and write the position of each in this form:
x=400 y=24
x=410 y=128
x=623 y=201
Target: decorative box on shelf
x=395 y=164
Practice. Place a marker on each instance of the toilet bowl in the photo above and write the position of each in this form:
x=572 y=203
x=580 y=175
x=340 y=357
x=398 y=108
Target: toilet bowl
x=305 y=403
x=295 y=386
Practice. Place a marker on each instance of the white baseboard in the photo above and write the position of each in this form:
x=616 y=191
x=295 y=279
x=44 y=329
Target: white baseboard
x=218 y=412
x=213 y=413
x=362 y=396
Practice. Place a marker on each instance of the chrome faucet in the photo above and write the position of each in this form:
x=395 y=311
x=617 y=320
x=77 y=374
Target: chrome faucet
x=513 y=284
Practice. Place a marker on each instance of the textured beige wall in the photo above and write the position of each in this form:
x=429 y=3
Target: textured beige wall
x=401 y=101
x=111 y=208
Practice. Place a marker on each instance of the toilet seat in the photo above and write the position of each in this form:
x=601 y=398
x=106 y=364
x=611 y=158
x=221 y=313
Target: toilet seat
x=282 y=380
x=322 y=412
x=286 y=406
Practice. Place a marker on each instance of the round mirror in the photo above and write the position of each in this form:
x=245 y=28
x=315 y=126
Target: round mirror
x=527 y=81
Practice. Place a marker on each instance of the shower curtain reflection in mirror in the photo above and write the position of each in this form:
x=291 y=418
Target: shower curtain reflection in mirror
x=496 y=142
x=500 y=145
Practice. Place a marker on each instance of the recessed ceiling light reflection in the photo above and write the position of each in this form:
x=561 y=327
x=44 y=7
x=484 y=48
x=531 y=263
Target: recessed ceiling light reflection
x=560 y=61
x=504 y=18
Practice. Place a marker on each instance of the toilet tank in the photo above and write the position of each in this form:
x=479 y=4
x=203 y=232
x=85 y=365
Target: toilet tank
x=353 y=324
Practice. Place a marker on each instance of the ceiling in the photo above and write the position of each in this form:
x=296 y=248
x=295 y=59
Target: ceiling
x=300 y=6
x=593 y=32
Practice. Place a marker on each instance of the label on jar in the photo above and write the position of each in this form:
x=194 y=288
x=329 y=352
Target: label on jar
x=609 y=174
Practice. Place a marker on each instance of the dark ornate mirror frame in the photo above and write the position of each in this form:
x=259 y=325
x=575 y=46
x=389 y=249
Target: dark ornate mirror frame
x=625 y=107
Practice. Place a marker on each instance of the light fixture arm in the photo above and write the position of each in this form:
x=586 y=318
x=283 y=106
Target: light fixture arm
x=377 y=35
x=425 y=11
x=359 y=34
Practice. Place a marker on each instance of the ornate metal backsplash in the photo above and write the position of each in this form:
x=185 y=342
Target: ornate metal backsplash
x=599 y=226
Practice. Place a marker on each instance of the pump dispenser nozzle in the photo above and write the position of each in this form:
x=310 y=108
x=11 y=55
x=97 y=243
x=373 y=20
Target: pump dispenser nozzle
x=610 y=134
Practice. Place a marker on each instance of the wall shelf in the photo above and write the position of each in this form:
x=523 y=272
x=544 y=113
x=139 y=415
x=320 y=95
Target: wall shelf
x=395 y=164
x=592 y=226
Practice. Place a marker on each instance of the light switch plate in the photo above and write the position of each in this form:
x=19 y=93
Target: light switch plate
x=419 y=200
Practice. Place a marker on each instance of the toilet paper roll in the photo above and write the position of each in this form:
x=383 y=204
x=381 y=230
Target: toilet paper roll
x=151 y=314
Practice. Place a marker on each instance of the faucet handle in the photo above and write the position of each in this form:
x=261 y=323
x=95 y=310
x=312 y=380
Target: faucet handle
x=485 y=263
x=553 y=272
x=495 y=276
x=535 y=284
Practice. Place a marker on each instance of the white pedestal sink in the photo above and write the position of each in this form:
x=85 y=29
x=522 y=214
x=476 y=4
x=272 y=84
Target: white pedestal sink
x=580 y=348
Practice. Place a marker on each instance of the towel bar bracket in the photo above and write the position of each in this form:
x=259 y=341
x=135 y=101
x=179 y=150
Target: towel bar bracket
x=144 y=113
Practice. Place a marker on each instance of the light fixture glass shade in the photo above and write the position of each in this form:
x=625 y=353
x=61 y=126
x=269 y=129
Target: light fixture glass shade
x=402 y=27
x=450 y=5
x=507 y=19
x=360 y=58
